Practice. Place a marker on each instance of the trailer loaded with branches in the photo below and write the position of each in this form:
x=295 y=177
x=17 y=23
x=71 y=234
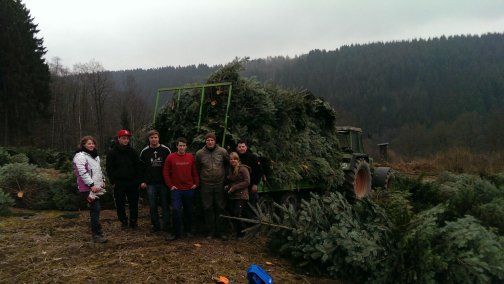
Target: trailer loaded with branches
x=292 y=131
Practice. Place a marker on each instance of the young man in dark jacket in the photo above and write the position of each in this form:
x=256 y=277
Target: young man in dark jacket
x=250 y=159
x=123 y=171
x=152 y=160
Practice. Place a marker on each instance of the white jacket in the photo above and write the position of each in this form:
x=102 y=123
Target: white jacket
x=88 y=171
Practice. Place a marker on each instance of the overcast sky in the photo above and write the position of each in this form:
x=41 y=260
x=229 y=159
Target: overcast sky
x=129 y=34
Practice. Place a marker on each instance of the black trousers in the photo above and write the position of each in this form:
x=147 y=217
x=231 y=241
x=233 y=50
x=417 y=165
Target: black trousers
x=126 y=190
x=247 y=211
x=237 y=206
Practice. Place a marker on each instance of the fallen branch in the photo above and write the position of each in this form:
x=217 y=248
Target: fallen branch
x=257 y=222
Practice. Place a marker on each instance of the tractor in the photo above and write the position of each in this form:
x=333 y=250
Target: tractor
x=360 y=173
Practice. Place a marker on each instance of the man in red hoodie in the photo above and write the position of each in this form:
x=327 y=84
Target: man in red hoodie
x=182 y=178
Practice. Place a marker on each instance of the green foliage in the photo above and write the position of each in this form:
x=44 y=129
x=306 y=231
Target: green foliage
x=461 y=194
x=43 y=158
x=496 y=178
x=443 y=244
x=397 y=205
x=24 y=95
x=492 y=214
x=472 y=253
x=16 y=177
x=482 y=190
x=19 y=158
x=38 y=156
x=64 y=193
x=461 y=251
x=38 y=191
x=4 y=156
x=23 y=181
x=467 y=194
x=293 y=131
x=33 y=189
x=49 y=158
x=61 y=161
x=333 y=237
x=414 y=260
x=5 y=203
x=424 y=195
x=400 y=239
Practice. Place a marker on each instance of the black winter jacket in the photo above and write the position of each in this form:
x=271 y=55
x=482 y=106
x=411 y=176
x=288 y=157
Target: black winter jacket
x=123 y=165
x=250 y=159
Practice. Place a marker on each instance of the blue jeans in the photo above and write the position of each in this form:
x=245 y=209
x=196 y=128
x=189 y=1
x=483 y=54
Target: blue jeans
x=94 y=214
x=182 y=199
x=158 y=194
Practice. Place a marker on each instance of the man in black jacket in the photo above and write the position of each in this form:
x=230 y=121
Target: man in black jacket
x=123 y=171
x=250 y=159
x=152 y=160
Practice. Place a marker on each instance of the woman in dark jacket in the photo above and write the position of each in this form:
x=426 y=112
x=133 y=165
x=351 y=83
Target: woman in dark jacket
x=123 y=171
x=237 y=188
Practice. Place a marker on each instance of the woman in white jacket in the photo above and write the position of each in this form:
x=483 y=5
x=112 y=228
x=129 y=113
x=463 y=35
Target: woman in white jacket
x=90 y=182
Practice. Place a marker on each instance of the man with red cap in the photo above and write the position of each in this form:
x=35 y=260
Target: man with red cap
x=123 y=171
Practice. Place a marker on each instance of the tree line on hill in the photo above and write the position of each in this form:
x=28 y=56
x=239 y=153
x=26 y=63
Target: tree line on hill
x=422 y=96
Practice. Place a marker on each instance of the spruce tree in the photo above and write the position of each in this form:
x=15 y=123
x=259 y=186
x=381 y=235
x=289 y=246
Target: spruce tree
x=24 y=74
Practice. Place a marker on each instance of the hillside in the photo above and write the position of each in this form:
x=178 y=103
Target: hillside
x=422 y=96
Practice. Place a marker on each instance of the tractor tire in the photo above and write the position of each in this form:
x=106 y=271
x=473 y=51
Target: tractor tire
x=290 y=198
x=358 y=180
x=382 y=178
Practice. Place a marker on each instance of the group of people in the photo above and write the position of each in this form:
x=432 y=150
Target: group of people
x=221 y=177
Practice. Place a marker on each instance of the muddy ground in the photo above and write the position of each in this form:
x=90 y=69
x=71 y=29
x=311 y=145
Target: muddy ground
x=56 y=247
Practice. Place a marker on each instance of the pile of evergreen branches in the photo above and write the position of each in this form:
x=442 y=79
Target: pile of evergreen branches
x=332 y=237
x=293 y=131
x=393 y=238
x=447 y=231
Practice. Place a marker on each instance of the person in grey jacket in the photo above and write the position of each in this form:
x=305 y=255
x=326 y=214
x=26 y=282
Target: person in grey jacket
x=90 y=182
x=211 y=163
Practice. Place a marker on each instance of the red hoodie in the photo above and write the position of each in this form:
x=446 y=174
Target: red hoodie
x=180 y=171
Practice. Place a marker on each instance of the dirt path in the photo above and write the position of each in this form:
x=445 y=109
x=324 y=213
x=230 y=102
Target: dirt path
x=54 y=246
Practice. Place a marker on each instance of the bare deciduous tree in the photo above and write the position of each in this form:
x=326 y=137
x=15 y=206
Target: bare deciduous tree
x=96 y=85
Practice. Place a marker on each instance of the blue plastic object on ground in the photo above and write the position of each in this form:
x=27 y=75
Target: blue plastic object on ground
x=257 y=275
